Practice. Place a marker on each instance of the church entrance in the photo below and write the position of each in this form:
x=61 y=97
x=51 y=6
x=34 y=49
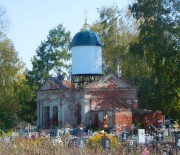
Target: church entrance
x=78 y=114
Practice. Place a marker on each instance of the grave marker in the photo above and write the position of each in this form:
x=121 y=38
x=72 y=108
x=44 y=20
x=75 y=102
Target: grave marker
x=80 y=142
x=105 y=141
x=177 y=140
x=141 y=136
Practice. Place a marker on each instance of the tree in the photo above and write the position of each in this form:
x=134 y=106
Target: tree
x=115 y=34
x=10 y=68
x=52 y=55
x=158 y=44
x=3 y=20
x=27 y=100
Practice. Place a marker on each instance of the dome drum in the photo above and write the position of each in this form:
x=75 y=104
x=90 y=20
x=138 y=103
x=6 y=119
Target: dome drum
x=86 y=50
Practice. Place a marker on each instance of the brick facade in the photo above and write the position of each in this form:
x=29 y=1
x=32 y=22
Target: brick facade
x=150 y=120
x=59 y=102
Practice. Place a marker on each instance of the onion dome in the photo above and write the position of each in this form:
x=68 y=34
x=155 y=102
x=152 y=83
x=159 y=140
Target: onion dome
x=86 y=38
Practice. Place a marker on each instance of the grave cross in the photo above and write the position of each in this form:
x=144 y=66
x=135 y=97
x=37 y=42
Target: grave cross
x=176 y=126
x=123 y=125
x=164 y=120
x=133 y=127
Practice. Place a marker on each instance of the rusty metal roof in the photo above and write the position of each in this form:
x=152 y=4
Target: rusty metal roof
x=54 y=83
x=109 y=82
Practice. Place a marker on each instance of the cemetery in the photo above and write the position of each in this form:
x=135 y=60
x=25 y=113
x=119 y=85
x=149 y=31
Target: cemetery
x=81 y=140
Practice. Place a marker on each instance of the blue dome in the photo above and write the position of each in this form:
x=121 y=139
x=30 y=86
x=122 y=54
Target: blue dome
x=86 y=38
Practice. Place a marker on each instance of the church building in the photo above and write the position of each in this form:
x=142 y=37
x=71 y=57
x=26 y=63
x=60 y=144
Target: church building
x=106 y=103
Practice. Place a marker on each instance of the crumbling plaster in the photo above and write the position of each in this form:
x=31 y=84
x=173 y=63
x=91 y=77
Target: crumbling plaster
x=79 y=105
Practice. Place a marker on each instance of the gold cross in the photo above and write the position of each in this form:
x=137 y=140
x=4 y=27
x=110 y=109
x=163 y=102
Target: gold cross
x=176 y=124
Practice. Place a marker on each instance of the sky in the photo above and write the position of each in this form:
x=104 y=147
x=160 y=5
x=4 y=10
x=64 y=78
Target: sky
x=31 y=20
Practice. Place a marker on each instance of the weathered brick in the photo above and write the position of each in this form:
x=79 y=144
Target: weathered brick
x=110 y=96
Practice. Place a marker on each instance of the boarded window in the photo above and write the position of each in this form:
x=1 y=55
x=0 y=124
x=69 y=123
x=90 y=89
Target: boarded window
x=78 y=114
x=55 y=116
x=46 y=117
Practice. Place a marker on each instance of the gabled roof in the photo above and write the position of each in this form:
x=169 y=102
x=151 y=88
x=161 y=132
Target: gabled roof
x=53 y=83
x=109 y=82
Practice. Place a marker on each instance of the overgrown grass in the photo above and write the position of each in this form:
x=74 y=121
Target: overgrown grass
x=44 y=146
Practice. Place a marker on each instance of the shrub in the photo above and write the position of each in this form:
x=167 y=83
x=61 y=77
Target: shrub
x=95 y=141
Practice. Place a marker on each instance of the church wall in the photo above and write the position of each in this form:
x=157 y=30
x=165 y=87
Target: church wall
x=68 y=102
x=89 y=101
x=64 y=103
x=76 y=106
x=106 y=93
x=123 y=120
x=112 y=98
x=148 y=118
x=119 y=119
x=67 y=112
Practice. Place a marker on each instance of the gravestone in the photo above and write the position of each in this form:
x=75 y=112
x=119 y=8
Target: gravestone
x=7 y=139
x=165 y=133
x=177 y=140
x=75 y=131
x=124 y=136
x=14 y=135
x=66 y=130
x=80 y=142
x=141 y=136
x=90 y=133
x=105 y=142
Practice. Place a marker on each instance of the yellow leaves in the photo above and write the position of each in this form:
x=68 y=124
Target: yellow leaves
x=20 y=77
x=96 y=140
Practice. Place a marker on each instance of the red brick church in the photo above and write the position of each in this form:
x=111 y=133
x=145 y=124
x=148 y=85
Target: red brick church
x=109 y=103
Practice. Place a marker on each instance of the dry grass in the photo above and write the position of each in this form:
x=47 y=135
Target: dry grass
x=43 y=146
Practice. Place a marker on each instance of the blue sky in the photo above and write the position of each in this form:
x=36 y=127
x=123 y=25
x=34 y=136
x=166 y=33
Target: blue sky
x=31 y=20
